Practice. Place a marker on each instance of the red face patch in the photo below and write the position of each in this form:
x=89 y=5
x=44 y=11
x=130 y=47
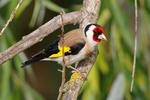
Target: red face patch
x=95 y=38
x=99 y=30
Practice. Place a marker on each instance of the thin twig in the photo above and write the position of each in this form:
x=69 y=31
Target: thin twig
x=63 y=60
x=11 y=17
x=135 y=45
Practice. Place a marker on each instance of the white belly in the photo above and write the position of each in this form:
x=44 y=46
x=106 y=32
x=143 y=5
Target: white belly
x=70 y=59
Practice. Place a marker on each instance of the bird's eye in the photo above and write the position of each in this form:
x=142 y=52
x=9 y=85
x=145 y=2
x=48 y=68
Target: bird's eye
x=96 y=32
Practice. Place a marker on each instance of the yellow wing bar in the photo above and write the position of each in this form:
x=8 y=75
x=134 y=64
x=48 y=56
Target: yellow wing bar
x=60 y=53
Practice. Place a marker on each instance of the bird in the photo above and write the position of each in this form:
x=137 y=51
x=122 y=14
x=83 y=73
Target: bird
x=78 y=44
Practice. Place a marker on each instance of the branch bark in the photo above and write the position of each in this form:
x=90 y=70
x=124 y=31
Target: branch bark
x=38 y=35
x=90 y=13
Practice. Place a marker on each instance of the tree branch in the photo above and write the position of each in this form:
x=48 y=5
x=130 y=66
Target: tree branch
x=90 y=13
x=38 y=35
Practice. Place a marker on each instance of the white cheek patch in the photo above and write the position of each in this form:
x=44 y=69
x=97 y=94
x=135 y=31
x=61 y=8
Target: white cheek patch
x=90 y=37
x=92 y=27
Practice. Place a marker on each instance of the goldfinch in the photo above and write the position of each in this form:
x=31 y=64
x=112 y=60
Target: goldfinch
x=78 y=44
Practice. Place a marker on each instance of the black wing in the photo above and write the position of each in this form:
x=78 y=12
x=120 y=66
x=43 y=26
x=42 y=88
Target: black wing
x=75 y=49
x=51 y=49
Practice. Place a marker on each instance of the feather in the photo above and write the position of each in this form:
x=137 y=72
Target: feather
x=51 y=49
x=72 y=38
x=35 y=58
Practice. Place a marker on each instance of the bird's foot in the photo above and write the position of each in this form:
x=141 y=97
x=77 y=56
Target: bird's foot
x=78 y=71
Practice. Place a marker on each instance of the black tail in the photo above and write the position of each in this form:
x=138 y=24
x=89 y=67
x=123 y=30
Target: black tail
x=51 y=49
x=35 y=58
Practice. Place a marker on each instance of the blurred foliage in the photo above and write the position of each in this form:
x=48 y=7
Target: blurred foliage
x=110 y=77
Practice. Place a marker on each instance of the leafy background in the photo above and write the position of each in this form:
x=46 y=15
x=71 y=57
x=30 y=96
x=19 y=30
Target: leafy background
x=110 y=77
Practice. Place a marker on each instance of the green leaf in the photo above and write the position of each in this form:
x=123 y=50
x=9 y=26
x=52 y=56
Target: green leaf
x=92 y=92
x=11 y=7
x=51 y=6
x=23 y=6
x=101 y=60
x=3 y=3
x=118 y=88
x=5 y=75
x=104 y=17
x=122 y=21
x=35 y=13
x=41 y=15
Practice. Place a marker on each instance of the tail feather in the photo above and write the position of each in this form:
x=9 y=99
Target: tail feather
x=35 y=58
x=45 y=53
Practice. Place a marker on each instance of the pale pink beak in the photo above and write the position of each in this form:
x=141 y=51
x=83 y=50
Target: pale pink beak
x=102 y=37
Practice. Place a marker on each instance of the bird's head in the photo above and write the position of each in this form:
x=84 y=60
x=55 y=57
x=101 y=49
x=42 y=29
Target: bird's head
x=94 y=33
